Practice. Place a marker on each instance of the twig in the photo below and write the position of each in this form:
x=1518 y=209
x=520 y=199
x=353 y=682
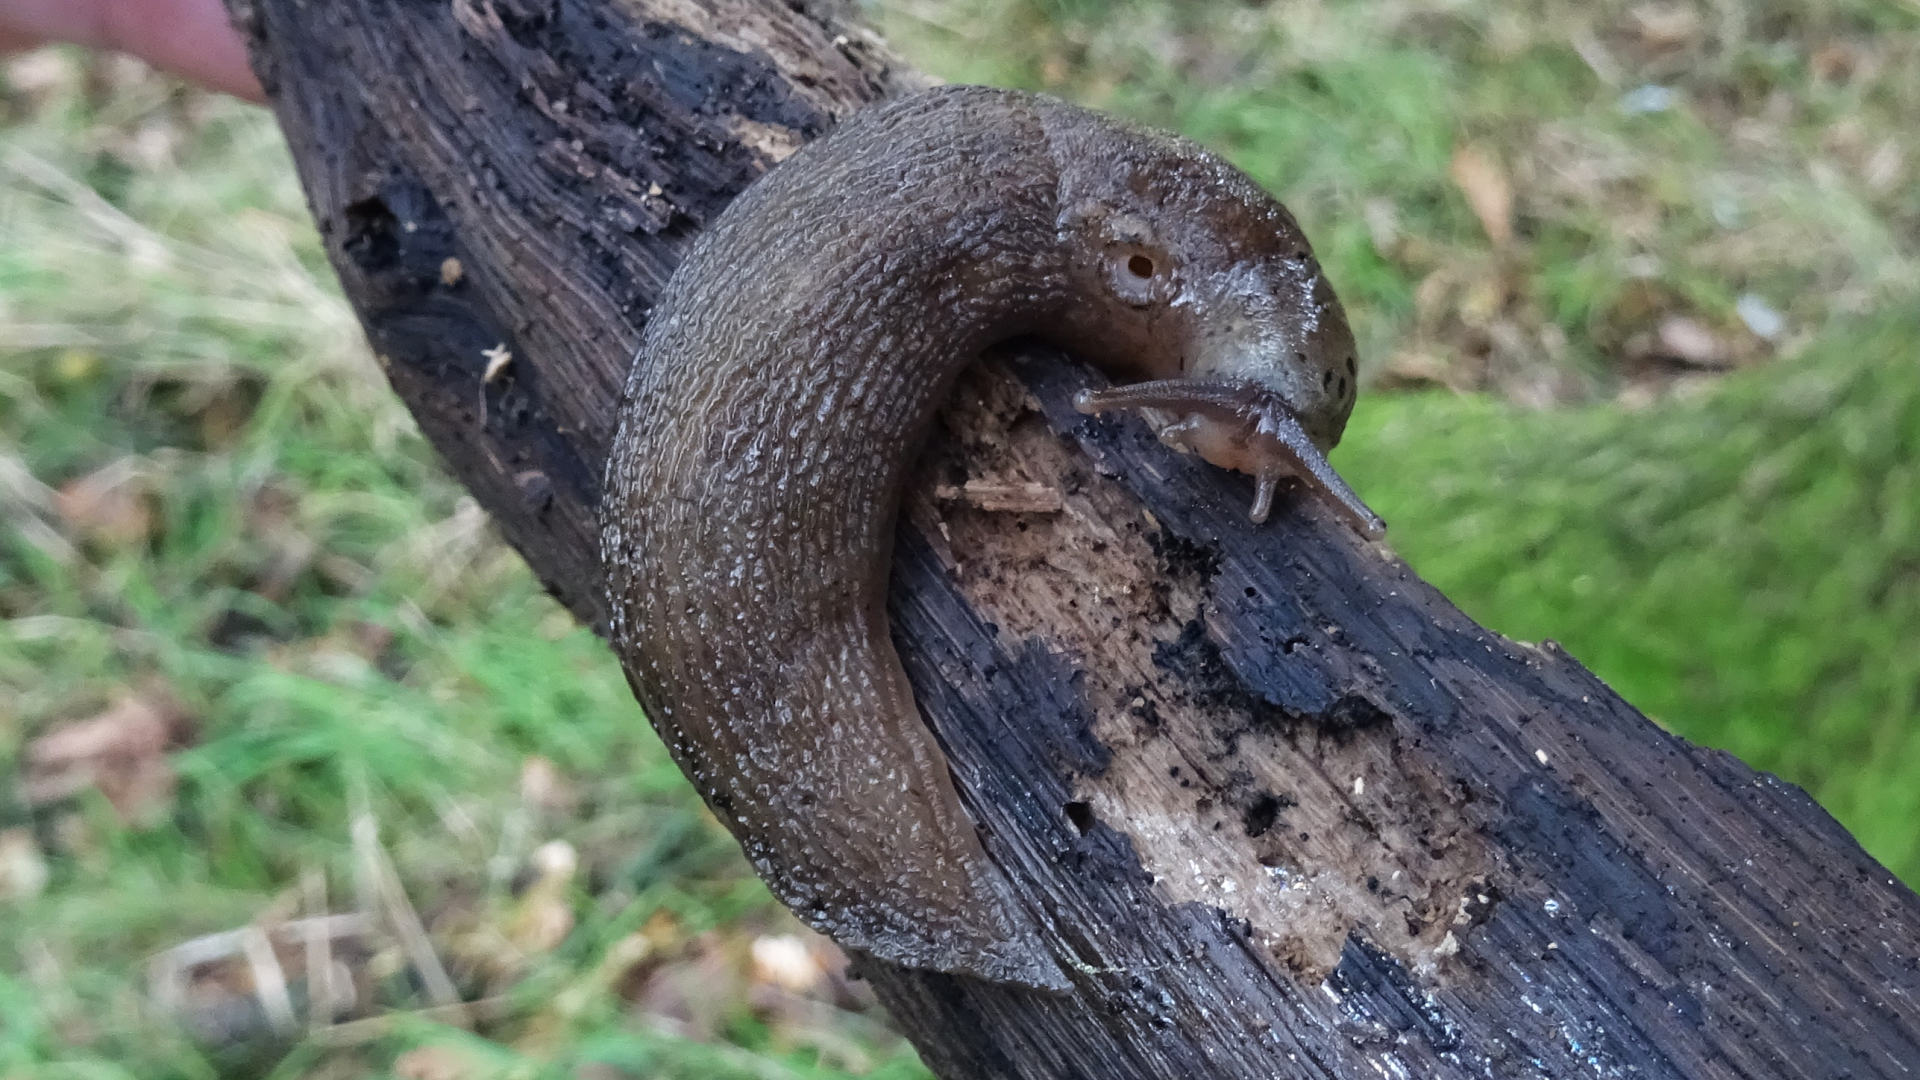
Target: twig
x=460 y=1014
x=269 y=978
x=321 y=1007
x=384 y=882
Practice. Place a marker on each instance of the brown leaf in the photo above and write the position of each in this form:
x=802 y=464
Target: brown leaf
x=698 y=992
x=122 y=751
x=1484 y=182
x=1411 y=369
x=1687 y=340
x=441 y=1062
x=108 y=506
x=1663 y=28
x=283 y=549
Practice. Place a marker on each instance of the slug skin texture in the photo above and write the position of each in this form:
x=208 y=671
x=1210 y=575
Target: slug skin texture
x=786 y=381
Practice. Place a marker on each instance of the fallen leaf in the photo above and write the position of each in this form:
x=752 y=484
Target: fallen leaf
x=284 y=550
x=698 y=992
x=122 y=752
x=1834 y=62
x=542 y=786
x=1411 y=369
x=109 y=506
x=500 y=943
x=544 y=916
x=42 y=74
x=1383 y=226
x=1664 y=28
x=784 y=960
x=1484 y=182
x=23 y=870
x=1687 y=340
x=440 y=1062
x=1883 y=170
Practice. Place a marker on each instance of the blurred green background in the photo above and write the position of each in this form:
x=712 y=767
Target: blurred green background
x=1636 y=287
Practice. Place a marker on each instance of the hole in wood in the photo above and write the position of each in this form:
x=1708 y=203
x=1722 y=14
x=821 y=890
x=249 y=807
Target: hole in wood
x=1081 y=815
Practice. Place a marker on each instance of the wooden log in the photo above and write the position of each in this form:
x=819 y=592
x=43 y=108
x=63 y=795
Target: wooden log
x=1286 y=811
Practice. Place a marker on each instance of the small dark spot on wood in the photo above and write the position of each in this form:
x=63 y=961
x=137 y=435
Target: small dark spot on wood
x=1183 y=556
x=372 y=242
x=1477 y=905
x=1354 y=713
x=1145 y=710
x=1196 y=658
x=1261 y=815
x=1081 y=815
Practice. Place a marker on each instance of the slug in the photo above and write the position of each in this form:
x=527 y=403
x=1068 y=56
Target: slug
x=784 y=384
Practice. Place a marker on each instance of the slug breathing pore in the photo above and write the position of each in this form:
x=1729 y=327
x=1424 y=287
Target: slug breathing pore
x=785 y=382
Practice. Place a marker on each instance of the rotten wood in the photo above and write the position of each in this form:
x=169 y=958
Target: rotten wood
x=1286 y=810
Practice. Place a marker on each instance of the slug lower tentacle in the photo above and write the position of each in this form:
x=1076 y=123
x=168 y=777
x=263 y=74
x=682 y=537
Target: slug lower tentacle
x=784 y=384
x=1239 y=424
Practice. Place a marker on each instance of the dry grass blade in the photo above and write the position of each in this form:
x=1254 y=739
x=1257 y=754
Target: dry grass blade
x=1484 y=182
x=269 y=978
x=392 y=902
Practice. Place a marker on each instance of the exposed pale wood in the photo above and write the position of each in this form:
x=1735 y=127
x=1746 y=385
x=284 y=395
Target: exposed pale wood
x=1290 y=813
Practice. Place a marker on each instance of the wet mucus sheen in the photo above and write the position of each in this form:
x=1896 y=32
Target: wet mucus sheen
x=783 y=386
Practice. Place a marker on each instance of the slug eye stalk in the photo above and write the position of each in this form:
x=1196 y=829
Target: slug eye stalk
x=1239 y=424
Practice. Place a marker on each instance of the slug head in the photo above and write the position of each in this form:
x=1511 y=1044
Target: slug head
x=1185 y=272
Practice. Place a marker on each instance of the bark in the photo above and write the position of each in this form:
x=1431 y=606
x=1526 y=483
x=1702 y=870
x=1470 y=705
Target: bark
x=1288 y=811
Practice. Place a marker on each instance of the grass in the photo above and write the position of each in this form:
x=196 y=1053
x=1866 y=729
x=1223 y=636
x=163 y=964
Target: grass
x=213 y=505
x=1730 y=543
x=212 y=498
x=1744 y=566
x=1779 y=166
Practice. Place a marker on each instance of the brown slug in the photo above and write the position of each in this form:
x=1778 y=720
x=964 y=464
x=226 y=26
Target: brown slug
x=785 y=382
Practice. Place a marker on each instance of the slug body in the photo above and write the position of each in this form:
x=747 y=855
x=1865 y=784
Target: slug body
x=784 y=385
